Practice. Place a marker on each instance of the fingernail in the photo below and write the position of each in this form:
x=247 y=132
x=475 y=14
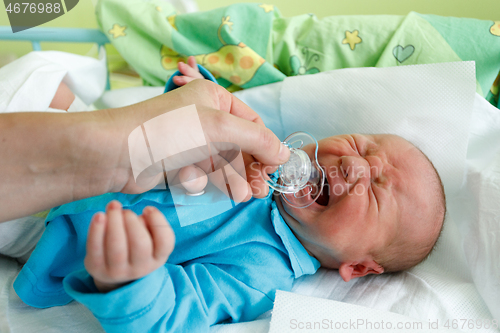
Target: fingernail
x=147 y=211
x=114 y=205
x=284 y=153
x=99 y=217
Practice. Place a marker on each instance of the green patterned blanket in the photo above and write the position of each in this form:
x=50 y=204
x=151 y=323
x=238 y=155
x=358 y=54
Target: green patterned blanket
x=246 y=45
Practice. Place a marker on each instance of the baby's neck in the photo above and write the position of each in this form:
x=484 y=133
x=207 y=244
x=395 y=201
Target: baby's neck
x=286 y=217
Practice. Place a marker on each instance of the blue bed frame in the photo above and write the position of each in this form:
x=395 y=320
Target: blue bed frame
x=60 y=35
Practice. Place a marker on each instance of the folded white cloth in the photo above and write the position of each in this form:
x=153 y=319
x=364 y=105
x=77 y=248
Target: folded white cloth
x=293 y=312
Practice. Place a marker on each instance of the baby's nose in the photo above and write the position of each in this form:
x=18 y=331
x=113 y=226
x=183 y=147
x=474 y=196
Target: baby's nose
x=354 y=168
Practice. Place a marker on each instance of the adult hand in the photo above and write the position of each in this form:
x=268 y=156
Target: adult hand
x=223 y=117
x=49 y=159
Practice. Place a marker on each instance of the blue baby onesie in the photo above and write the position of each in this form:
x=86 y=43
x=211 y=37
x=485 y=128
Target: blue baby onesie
x=226 y=268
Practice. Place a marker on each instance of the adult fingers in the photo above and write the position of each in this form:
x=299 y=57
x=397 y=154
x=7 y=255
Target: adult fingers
x=226 y=178
x=255 y=173
x=238 y=186
x=205 y=94
x=252 y=138
x=229 y=103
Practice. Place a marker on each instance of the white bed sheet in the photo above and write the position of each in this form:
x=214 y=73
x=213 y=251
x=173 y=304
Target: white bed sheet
x=420 y=293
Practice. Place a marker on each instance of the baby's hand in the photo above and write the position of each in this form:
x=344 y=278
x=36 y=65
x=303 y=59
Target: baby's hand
x=190 y=71
x=123 y=247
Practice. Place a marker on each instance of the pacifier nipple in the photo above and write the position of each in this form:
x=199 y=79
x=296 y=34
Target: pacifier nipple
x=297 y=171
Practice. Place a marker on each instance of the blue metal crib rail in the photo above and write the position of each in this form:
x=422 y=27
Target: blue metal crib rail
x=60 y=35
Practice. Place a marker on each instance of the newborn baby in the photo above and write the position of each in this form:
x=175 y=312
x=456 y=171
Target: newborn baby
x=395 y=222
x=381 y=210
x=387 y=215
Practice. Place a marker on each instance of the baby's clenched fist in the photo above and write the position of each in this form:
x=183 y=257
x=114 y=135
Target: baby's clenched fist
x=123 y=247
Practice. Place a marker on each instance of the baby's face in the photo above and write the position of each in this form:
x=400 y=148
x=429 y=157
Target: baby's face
x=375 y=193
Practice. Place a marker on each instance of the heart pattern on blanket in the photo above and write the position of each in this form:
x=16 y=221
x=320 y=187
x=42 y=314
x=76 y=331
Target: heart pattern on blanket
x=403 y=53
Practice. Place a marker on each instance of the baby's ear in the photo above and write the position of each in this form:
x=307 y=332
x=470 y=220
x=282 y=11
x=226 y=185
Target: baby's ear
x=354 y=269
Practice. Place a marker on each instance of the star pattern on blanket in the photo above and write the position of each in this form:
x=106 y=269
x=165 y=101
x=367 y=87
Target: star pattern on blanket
x=225 y=21
x=267 y=8
x=495 y=29
x=171 y=21
x=118 y=31
x=352 y=38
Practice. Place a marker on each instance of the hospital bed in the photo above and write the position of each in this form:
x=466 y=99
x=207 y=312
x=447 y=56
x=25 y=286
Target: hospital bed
x=456 y=289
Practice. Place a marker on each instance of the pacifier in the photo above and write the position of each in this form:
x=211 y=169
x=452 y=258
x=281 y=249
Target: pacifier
x=300 y=180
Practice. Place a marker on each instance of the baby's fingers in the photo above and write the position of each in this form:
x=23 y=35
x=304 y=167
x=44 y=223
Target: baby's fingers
x=161 y=232
x=139 y=241
x=115 y=241
x=182 y=80
x=192 y=62
x=187 y=70
x=94 y=260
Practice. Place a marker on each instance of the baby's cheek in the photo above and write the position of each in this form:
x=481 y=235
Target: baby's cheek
x=354 y=207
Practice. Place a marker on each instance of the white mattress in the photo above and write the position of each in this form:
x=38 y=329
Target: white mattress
x=462 y=284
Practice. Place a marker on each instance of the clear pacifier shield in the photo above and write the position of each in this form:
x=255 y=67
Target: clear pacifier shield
x=301 y=178
x=297 y=170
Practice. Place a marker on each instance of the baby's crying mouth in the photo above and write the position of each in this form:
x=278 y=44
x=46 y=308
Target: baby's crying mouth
x=324 y=197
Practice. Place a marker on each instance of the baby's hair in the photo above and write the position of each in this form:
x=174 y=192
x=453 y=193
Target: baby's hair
x=400 y=255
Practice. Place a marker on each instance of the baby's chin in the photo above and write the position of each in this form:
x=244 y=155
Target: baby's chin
x=295 y=215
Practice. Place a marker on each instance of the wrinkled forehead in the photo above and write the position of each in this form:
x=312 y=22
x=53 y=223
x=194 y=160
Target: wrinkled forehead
x=398 y=152
x=408 y=165
x=385 y=142
x=414 y=181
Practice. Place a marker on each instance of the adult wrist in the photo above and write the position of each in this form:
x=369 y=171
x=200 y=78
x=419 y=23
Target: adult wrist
x=96 y=148
x=55 y=158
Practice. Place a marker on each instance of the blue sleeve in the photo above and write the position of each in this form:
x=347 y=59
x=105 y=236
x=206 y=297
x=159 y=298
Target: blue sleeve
x=174 y=298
